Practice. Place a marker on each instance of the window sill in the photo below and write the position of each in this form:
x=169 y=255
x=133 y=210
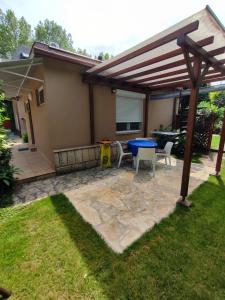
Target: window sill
x=128 y=132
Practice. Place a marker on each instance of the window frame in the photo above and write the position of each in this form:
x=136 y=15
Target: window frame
x=39 y=103
x=135 y=96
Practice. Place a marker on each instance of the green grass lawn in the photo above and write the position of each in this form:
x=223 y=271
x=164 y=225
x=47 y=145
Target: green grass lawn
x=48 y=252
x=215 y=141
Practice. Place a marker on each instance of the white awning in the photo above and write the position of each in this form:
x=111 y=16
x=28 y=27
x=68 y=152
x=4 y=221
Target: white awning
x=14 y=73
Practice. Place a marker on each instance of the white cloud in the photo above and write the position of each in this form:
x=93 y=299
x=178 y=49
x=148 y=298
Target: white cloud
x=114 y=25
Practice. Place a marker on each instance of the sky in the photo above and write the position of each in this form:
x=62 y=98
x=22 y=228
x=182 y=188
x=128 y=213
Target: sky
x=110 y=26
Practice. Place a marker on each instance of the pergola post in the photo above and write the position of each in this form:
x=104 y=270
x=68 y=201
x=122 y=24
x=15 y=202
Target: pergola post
x=221 y=148
x=91 y=109
x=146 y=115
x=195 y=75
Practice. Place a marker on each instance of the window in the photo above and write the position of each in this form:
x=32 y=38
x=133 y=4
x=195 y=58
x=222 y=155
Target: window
x=40 y=96
x=129 y=111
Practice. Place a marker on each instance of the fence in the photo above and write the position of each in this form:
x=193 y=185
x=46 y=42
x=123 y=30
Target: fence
x=79 y=158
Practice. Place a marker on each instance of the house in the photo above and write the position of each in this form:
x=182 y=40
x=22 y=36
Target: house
x=68 y=102
x=53 y=104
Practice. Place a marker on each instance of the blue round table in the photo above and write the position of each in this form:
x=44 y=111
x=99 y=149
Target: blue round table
x=133 y=145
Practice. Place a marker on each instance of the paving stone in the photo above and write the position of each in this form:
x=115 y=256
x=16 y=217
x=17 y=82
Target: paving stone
x=119 y=204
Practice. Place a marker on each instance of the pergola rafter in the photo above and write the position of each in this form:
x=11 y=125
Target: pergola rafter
x=156 y=65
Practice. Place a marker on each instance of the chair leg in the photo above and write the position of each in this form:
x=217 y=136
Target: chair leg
x=153 y=168
x=165 y=160
x=121 y=156
x=169 y=160
x=134 y=162
x=137 y=165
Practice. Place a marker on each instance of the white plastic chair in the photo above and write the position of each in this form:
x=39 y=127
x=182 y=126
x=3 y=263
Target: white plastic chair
x=166 y=153
x=122 y=153
x=144 y=139
x=146 y=154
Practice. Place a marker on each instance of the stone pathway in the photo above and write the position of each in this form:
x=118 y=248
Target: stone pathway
x=119 y=204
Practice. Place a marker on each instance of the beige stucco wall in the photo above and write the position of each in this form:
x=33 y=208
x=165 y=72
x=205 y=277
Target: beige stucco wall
x=22 y=116
x=68 y=105
x=40 y=116
x=160 y=112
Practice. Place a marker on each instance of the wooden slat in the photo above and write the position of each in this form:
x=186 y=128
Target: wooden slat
x=221 y=148
x=166 y=67
x=193 y=47
x=164 y=75
x=176 y=79
x=154 y=60
x=172 y=85
x=164 y=40
x=115 y=83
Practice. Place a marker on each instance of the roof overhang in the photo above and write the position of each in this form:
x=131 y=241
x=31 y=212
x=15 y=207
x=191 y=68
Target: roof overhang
x=44 y=50
x=159 y=63
x=14 y=73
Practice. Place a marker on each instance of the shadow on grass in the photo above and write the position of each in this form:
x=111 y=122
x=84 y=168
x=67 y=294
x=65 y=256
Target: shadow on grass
x=165 y=263
x=6 y=200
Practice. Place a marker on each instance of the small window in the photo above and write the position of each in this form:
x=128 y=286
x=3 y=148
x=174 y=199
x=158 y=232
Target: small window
x=129 y=111
x=40 y=96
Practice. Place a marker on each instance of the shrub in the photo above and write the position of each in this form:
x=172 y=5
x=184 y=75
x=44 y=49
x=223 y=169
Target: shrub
x=7 y=171
x=25 y=137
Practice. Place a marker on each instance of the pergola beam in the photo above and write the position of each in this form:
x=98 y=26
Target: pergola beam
x=171 y=54
x=196 y=50
x=175 y=81
x=115 y=83
x=160 y=42
x=190 y=132
x=175 y=64
x=221 y=148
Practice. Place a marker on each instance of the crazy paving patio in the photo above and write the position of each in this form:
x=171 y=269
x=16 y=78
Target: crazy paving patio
x=119 y=204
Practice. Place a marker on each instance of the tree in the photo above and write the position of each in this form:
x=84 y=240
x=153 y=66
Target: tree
x=104 y=56
x=218 y=98
x=13 y=33
x=50 y=31
x=83 y=52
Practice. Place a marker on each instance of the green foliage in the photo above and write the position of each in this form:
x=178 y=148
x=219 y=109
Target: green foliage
x=25 y=137
x=215 y=105
x=7 y=171
x=49 y=31
x=104 y=56
x=13 y=33
x=83 y=52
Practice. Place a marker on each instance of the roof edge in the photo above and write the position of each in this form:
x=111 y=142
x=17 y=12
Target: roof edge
x=39 y=48
x=209 y=9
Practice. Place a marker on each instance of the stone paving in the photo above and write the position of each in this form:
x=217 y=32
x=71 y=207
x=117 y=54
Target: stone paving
x=119 y=204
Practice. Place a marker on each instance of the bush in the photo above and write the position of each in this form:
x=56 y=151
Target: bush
x=7 y=171
x=25 y=137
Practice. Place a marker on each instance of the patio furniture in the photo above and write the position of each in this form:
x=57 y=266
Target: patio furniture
x=143 y=139
x=166 y=152
x=163 y=137
x=133 y=145
x=146 y=154
x=122 y=153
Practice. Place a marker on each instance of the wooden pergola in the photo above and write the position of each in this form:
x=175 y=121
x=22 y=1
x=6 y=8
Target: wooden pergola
x=188 y=54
